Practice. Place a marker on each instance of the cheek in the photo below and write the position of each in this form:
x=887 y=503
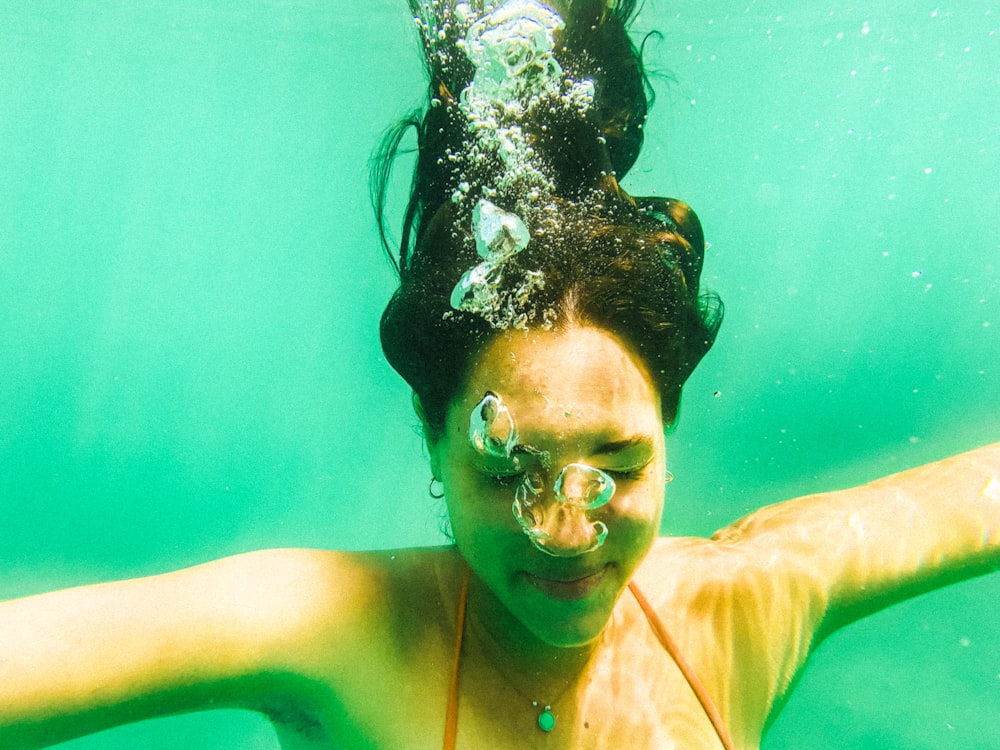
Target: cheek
x=477 y=508
x=639 y=507
x=487 y=536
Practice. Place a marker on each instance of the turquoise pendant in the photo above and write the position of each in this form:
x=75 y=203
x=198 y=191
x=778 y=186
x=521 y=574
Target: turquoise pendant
x=546 y=721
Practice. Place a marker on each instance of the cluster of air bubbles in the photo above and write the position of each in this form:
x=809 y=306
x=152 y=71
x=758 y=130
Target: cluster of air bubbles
x=496 y=289
x=500 y=296
x=517 y=80
x=439 y=22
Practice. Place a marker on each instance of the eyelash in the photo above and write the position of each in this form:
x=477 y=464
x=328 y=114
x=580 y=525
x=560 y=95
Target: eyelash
x=506 y=480
x=627 y=475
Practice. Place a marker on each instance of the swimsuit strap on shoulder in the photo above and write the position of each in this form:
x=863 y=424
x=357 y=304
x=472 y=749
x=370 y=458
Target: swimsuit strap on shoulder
x=692 y=679
x=451 y=715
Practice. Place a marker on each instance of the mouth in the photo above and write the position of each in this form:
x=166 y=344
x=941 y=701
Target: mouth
x=568 y=589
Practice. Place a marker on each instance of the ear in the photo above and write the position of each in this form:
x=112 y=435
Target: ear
x=433 y=452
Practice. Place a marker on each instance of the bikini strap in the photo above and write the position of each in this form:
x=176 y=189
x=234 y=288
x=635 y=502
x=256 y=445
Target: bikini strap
x=451 y=715
x=692 y=679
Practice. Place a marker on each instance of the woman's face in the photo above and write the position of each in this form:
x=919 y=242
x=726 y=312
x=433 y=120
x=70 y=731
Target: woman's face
x=576 y=396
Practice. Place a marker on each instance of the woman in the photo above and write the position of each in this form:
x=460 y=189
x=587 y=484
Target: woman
x=546 y=321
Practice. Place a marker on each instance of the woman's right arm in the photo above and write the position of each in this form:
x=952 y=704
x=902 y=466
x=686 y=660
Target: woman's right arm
x=214 y=636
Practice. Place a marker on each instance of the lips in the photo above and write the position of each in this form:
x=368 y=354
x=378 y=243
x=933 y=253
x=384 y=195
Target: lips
x=570 y=587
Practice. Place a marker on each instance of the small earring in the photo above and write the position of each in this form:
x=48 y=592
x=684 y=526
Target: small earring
x=436 y=495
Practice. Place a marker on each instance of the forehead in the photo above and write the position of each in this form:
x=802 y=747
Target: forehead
x=579 y=379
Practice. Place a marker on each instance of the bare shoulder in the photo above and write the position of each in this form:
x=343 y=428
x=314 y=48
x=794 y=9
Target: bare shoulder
x=283 y=598
x=742 y=615
x=673 y=560
x=261 y=593
x=740 y=587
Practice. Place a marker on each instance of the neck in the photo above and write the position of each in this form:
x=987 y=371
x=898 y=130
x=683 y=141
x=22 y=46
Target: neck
x=535 y=669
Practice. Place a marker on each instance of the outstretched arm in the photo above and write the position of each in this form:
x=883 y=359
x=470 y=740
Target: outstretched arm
x=877 y=544
x=217 y=635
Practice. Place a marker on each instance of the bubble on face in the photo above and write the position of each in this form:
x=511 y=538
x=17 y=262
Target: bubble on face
x=491 y=428
x=556 y=521
x=560 y=525
x=558 y=529
x=582 y=486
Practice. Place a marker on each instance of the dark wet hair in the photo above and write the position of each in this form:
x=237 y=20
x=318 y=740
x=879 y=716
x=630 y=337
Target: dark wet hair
x=628 y=265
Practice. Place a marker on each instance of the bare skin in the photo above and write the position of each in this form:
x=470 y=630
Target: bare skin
x=355 y=650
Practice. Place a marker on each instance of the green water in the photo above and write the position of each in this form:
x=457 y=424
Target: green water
x=190 y=287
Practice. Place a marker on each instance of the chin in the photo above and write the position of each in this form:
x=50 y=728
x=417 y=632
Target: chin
x=569 y=625
x=576 y=633
x=575 y=640
x=568 y=611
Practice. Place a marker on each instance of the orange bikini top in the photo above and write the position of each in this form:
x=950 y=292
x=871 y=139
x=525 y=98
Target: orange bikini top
x=451 y=716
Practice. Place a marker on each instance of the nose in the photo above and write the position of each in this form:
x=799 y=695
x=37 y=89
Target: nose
x=568 y=531
x=559 y=529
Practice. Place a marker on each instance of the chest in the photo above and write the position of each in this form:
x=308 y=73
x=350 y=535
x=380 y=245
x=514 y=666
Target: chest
x=632 y=694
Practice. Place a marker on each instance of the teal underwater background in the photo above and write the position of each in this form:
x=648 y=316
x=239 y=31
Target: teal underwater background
x=190 y=287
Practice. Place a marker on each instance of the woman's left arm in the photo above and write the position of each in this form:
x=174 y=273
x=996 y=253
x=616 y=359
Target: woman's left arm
x=868 y=547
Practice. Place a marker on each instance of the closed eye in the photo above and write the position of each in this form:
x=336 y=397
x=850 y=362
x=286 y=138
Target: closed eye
x=629 y=473
x=626 y=474
x=506 y=480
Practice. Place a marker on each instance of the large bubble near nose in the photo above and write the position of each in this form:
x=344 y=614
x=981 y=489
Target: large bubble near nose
x=560 y=525
x=582 y=486
x=558 y=529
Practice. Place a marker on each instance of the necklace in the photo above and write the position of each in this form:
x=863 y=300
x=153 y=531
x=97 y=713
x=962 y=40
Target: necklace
x=451 y=714
x=546 y=719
